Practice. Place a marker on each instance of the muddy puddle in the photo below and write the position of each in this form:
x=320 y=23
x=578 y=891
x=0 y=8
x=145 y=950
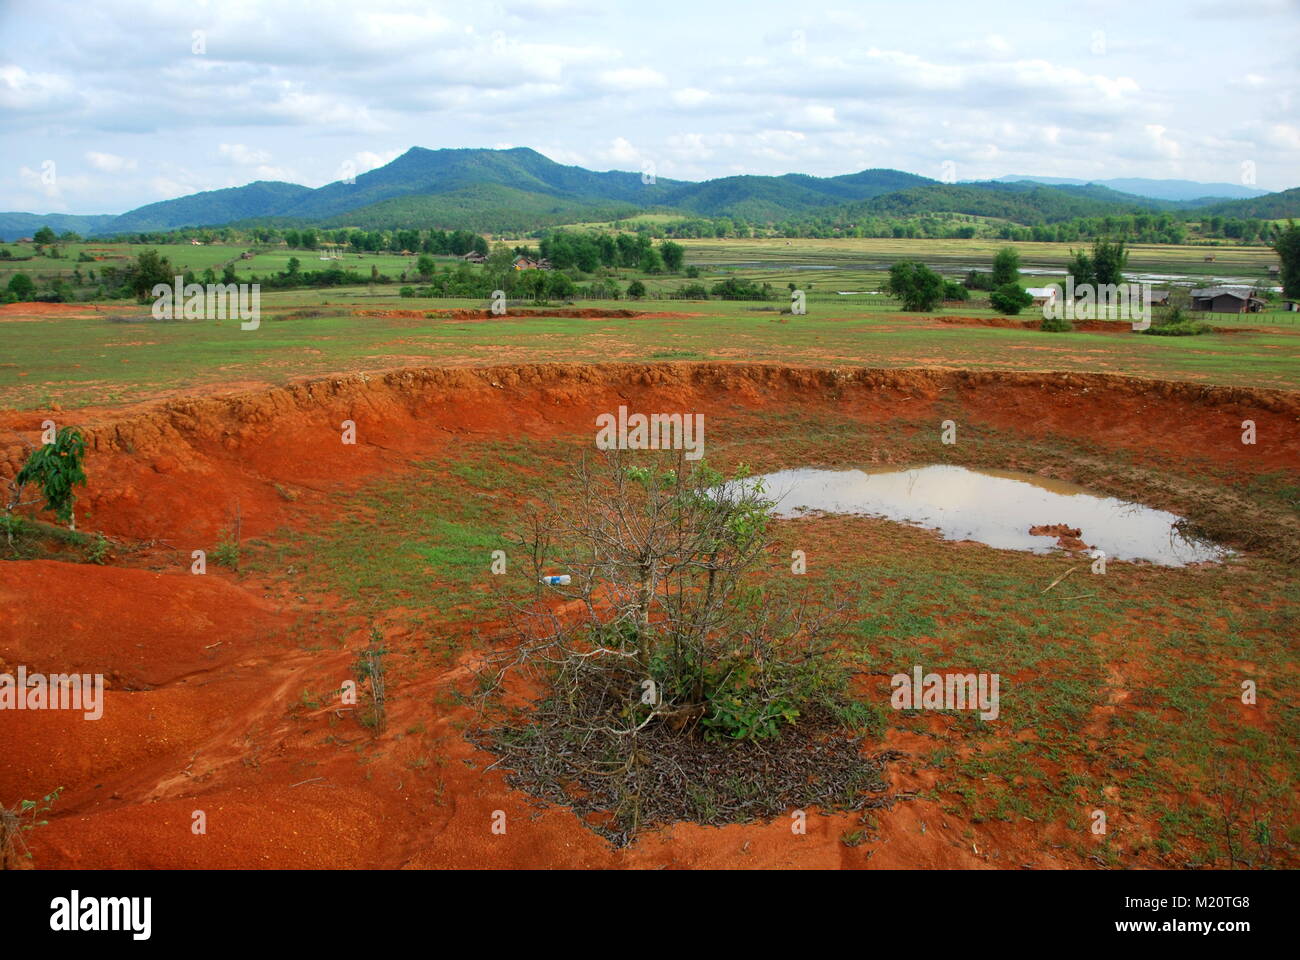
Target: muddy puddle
x=993 y=507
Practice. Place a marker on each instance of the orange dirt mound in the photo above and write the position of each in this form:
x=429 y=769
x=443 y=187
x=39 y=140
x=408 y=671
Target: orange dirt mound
x=211 y=706
x=23 y=311
x=175 y=470
x=1066 y=537
x=1012 y=323
x=138 y=628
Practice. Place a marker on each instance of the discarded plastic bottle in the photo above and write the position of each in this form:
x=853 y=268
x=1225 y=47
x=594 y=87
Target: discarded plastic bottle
x=561 y=581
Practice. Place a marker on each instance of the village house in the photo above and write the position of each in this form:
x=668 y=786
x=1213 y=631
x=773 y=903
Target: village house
x=1043 y=296
x=528 y=263
x=1157 y=298
x=474 y=257
x=1227 y=299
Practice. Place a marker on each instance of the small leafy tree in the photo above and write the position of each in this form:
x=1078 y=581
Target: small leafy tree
x=635 y=290
x=22 y=287
x=1080 y=267
x=1109 y=258
x=1010 y=298
x=1287 y=245
x=952 y=290
x=672 y=655
x=1006 y=267
x=56 y=469
x=673 y=254
x=919 y=287
x=150 y=269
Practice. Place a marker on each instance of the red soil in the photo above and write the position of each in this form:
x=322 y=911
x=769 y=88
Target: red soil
x=176 y=470
x=1011 y=323
x=1067 y=538
x=18 y=312
x=206 y=708
x=593 y=313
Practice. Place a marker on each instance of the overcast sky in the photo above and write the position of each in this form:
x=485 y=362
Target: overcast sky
x=106 y=105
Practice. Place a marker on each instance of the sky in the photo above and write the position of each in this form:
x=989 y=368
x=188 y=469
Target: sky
x=109 y=105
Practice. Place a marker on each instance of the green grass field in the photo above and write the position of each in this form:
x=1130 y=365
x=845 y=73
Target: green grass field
x=77 y=355
x=94 y=358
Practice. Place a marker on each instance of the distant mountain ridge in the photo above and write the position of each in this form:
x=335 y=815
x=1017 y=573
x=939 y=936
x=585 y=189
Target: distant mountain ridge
x=519 y=188
x=1154 y=189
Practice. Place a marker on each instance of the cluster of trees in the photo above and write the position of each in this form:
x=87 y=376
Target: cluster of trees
x=589 y=252
x=437 y=242
x=455 y=243
x=464 y=280
x=1104 y=265
x=922 y=289
x=734 y=288
x=1248 y=230
x=46 y=236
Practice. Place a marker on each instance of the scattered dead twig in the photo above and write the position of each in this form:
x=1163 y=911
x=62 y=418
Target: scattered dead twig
x=1059 y=579
x=301 y=782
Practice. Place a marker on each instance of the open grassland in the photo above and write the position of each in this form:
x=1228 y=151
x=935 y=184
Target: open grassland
x=839 y=262
x=974 y=254
x=76 y=355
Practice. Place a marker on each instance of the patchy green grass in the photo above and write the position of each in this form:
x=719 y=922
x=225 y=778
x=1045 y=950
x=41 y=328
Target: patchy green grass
x=1119 y=692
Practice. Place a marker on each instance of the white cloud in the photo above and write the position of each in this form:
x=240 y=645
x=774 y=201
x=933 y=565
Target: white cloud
x=622 y=151
x=691 y=97
x=109 y=162
x=294 y=90
x=1163 y=145
x=368 y=160
x=633 y=78
x=24 y=91
x=242 y=155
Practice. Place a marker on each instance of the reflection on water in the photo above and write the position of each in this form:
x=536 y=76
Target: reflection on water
x=995 y=507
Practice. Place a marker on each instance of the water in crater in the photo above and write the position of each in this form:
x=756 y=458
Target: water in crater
x=994 y=507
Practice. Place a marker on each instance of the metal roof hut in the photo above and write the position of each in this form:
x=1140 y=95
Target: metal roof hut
x=1227 y=299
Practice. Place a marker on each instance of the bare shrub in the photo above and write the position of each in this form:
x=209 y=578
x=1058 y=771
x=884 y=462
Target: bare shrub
x=666 y=656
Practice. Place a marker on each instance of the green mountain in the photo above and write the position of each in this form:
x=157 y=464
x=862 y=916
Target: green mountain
x=774 y=198
x=210 y=208
x=421 y=172
x=1023 y=202
x=1275 y=206
x=520 y=189
x=15 y=225
x=484 y=207
x=1187 y=190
